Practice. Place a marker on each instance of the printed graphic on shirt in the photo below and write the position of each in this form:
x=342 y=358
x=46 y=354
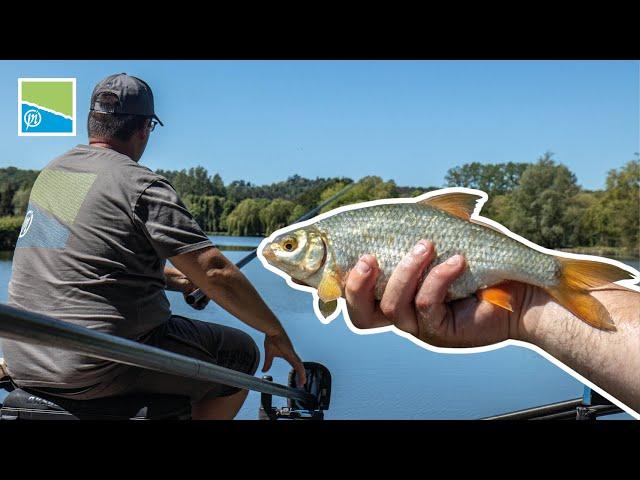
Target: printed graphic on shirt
x=56 y=198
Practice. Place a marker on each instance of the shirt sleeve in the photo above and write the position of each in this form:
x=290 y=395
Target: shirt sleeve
x=166 y=222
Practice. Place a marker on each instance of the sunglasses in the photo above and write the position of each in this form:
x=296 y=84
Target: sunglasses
x=152 y=125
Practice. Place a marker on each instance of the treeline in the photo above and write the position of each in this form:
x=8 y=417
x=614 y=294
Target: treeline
x=242 y=208
x=15 y=188
x=541 y=201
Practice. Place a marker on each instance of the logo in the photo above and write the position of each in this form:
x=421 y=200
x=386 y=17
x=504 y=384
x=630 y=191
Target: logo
x=46 y=107
x=28 y=219
x=32 y=118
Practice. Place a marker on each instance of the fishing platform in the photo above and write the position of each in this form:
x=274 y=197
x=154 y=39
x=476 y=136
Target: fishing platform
x=308 y=403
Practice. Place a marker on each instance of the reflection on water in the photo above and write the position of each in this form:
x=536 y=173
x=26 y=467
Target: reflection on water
x=384 y=376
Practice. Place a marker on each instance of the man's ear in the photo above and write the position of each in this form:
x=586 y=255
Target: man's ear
x=143 y=133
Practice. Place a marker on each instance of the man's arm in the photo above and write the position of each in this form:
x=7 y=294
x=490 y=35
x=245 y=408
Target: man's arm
x=176 y=280
x=610 y=360
x=226 y=285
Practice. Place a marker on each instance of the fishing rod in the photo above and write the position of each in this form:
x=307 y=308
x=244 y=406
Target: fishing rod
x=198 y=295
x=588 y=407
x=35 y=328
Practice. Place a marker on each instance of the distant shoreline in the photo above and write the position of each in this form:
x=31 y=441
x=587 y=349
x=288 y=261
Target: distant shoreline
x=226 y=234
x=614 y=252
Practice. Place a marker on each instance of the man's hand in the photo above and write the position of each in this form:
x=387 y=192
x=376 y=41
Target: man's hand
x=279 y=345
x=421 y=310
x=179 y=282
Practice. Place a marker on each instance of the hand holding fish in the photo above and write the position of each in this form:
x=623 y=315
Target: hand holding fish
x=482 y=285
x=610 y=360
x=421 y=310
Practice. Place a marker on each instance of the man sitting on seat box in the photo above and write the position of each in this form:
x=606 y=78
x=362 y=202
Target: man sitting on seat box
x=92 y=251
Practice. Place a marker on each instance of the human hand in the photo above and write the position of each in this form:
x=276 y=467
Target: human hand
x=179 y=282
x=279 y=345
x=422 y=310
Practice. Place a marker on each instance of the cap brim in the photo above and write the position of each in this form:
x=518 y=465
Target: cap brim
x=159 y=121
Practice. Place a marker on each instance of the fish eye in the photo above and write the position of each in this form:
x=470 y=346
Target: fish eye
x=290 y=244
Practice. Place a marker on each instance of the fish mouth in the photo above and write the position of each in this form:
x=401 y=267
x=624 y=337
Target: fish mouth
x=268 y=252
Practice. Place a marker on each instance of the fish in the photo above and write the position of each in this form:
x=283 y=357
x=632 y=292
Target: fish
x=321 y=254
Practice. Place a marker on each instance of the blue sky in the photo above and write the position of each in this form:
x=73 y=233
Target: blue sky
x=409 y=121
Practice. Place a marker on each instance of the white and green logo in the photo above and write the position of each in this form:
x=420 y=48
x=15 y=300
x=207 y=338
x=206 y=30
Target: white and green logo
x=46 y=107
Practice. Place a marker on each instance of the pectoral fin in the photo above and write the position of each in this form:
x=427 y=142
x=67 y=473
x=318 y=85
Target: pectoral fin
x=329 y=288
x=497 y=296
x=327 y=308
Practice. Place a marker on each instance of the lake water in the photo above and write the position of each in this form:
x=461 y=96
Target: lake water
x=385 y=376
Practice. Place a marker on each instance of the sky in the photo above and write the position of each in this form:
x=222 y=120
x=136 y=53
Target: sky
x=410 y=121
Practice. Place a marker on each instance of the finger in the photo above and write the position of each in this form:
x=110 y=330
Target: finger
x=429 y=302
x=268 y=360
x=397 y=302
x=301 y=373
x=294 y=360
x=360 y=294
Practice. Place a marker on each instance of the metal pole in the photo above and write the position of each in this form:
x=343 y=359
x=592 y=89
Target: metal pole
x=30 y=327
x=530 y=413
x=197 y=295
x=567 y=410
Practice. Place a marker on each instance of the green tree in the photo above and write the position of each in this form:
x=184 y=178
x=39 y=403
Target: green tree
x=217 y=186
x=276 y=215
x=245 y=219
x=296 y=213
x=613 y=219
x=7 y=191
x=20 y=200
x=367 y=188
x=539 y=203
x=493 y=178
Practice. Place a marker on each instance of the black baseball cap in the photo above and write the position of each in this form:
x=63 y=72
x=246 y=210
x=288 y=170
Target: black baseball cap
x=134 y=96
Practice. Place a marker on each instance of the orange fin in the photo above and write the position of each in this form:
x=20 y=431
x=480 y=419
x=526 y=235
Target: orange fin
x=496 y=296
x=458 y=204
x=327 y=308
x=576 y=278
x=329 y=288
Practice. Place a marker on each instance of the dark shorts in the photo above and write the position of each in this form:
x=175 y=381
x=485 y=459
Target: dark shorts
x=209 y=342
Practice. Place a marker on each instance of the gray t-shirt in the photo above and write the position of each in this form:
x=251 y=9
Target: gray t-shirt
x=96 y=236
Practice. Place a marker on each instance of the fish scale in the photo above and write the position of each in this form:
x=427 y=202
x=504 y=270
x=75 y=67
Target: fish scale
x=390 y=231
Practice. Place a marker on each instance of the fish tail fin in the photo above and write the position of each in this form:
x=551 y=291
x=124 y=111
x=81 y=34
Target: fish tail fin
x=576 y=278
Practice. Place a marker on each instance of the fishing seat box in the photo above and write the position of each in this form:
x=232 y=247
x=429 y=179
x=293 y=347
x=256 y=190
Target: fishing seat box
x=21 y=404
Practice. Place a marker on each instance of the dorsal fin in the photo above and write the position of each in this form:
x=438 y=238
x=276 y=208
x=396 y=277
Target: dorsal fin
x=458 y=204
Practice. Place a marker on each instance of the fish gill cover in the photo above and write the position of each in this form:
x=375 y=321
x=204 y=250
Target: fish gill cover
x=46 y=106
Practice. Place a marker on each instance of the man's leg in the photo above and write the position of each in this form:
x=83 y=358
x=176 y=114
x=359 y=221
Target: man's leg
x=209 y=342
x=212 y=407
